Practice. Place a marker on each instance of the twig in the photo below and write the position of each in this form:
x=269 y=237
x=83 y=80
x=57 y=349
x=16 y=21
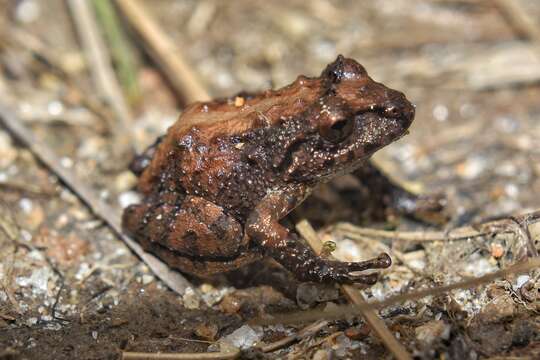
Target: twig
x=28 y=189
x=62 y=279
x=192 y=340
x=371 y=318
x=222 y=355
x=102 y=71
x=523 y=229
x=412 y=236
x=343 y=311
x=305 y=332
x=525 y=224
x=300 y=353
x=164 y=52
x=9 y=230
x=518 y=18
x=103 y=211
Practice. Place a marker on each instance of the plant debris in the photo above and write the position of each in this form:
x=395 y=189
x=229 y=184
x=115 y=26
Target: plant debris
x=69 y=288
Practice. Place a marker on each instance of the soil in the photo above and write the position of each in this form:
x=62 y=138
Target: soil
x=69 y=288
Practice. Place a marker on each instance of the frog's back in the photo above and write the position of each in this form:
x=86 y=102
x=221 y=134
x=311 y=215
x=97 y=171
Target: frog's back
x=197 y=137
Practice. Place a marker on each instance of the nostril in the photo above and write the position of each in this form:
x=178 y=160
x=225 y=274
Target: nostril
x=392 y=111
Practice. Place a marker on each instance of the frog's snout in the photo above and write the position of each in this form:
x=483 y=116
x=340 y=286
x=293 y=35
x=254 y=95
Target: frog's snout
x=398 y=107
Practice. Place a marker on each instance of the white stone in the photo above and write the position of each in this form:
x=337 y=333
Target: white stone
x=38 y=280
x=28 y=11
x=147 y=279
x=26 y=205
x=521 y=280
x=440 y=112
x=128 y=198
x=191 y=299
x=244 y=337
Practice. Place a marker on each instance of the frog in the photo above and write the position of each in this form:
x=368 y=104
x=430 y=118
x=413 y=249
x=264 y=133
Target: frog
x=217 y=186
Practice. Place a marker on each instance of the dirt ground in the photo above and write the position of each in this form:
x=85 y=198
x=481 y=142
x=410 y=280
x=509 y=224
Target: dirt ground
x=70 y=289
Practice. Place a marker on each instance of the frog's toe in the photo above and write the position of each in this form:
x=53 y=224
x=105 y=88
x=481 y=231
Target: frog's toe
x=382 y=261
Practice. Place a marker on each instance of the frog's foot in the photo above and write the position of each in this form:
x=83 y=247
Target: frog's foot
x=307 y=266
x=345 y=272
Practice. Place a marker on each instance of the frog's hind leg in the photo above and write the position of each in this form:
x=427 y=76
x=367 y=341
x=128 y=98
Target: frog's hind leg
x=194 y=232
x=387 y=196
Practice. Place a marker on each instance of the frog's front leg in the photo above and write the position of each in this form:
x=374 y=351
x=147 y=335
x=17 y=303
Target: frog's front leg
x=264 y=228
x=391 y=197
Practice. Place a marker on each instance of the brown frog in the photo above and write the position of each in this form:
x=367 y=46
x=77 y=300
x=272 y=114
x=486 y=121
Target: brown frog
x=218 y=183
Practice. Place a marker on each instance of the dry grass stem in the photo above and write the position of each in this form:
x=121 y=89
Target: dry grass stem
x=526 y=224
x=164 y=52
x=306 y=230
x=309 y=330
x=120 y=48
x=310 y=315
x=185 y=356
x=519 y=19
x=102 y=71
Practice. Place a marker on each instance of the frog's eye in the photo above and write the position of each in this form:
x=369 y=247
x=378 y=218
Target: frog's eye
x=336 y=131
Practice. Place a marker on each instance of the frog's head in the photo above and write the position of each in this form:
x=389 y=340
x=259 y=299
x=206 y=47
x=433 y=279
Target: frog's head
x=353 y=118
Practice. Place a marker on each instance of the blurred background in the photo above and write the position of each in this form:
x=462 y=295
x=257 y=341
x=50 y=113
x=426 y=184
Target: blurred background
x=95 y=82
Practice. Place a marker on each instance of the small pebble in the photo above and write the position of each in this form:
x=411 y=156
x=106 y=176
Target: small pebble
x=239 y=101
x=207 y=331
x=357 y=332
x=55 y=108
x=321 y=354
x=206 y=288
x=28 y=11
x=342 y=346
x=471 y=168
x=128 y=198
x=26 y=205
x=125 y=181
x=497 y=250
x=501 y=308
x=244 y=337
x=191 y=299
x=431 y=331
x=440 y=112
x=8 y=154
x=38 y=280
x=66 y=162
x=147 y=279
x=521 y=280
